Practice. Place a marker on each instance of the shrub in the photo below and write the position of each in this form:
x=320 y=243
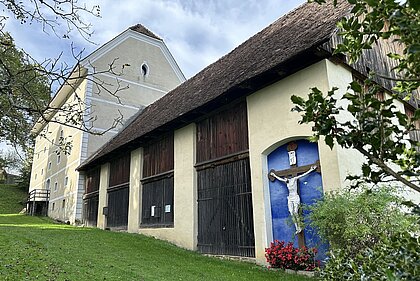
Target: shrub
x=285 y=256
x=394 y=258
x=355 y=220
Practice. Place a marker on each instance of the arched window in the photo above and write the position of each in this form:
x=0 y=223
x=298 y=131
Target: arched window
x=144 y=69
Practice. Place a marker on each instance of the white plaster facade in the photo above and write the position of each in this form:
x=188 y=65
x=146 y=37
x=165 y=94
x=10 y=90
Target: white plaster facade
x=127 y=53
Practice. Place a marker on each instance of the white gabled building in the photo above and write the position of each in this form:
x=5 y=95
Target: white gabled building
x=144 y=70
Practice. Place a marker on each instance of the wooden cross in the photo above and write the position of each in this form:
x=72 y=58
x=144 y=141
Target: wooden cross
x=293 y=172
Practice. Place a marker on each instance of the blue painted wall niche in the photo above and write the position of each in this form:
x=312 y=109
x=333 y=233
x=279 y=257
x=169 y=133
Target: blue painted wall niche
x=310 y=189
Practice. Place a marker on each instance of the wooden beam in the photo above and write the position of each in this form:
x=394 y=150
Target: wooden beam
x=293 y=171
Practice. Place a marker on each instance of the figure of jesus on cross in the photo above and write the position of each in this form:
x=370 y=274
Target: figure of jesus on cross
x=293 y=200
x=291 y=178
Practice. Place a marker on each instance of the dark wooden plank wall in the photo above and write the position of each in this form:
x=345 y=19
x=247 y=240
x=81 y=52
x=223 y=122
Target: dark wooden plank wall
x=158 y=193
x=118 y=207
x=223 y=134
x=225 y=212
x=375 y=59
x=158 y=156
x=90 y=210
x=92 y=180
x=118 y=192
x=119 y=171
x=158 y=182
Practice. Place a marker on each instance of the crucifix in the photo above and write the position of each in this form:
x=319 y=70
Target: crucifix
x=291 y=178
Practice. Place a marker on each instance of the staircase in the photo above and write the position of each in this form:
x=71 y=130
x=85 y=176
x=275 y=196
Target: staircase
x=37 y=202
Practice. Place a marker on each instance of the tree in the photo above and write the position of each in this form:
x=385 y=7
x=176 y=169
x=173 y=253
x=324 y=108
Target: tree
x=24 y=93
x=378 y=130
x=27 y=84
x=9 y=161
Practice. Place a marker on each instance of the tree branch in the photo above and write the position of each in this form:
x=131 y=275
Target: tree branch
x=387 y=169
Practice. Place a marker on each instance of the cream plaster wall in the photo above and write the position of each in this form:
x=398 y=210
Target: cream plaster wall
x=104 y=115
x=137 y=92
x=103 y=197
x=134 y=53
x=129 y=92
x=47 y=165
x=272 y=124
x=136 y=169
x=184 y=232
x=349 y=160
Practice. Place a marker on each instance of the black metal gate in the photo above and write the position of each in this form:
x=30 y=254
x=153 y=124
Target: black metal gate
x=225 y=216
x=90 y=210
x=118 y=207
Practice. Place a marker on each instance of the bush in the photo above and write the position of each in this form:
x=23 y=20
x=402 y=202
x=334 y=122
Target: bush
x=285 y=256
x=396 y=258
x=355 y=220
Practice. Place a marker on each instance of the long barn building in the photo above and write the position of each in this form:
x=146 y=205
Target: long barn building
x=193 y=168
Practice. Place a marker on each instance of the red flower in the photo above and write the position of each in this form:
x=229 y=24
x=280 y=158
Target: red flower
x=282 y=255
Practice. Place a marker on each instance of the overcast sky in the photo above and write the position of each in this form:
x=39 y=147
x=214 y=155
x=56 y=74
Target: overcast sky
x=196 y=32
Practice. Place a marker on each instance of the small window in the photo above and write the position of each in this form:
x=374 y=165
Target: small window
x=66 y=181
x=144 y=69
x=63 y=204
x=45 y=149
x=53 y=206
x=36 y=176
x=58 y=158
x=55 y=186
x=49 y=166
x=37 y=155
x=42 y=172
x=47 y=184
x=61 y=133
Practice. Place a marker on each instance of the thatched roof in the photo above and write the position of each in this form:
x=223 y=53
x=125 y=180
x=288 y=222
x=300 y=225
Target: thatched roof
x=284 y=47
x=143 y=30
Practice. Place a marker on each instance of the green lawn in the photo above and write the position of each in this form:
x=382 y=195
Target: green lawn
x=11 y=199
x=34 y=248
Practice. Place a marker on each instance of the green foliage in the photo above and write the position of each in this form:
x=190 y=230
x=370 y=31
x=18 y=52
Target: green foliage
x=394 y=258
x=24 y=94
x=374 y=122
x=34 y=248
x=355 y=220
x=377 y=128
x=24 y=177
x=372 y=20
x=9 y=160
x=12 y=199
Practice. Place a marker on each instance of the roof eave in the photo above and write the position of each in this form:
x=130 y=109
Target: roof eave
x=271 y=76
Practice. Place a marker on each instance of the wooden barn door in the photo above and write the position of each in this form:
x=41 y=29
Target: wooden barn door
x=118 y=192
x=91 y=197
x=225 y=215
x=90 y=210
x=158 y=183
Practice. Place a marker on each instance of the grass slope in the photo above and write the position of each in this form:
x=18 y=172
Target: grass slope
x=34 y=248
x=11 y=198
